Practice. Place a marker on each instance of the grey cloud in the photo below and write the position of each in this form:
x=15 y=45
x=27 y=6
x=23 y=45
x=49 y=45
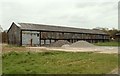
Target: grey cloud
x=77 y=13
x=94 y=4
x=85 y=4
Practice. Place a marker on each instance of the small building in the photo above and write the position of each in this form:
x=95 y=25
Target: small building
x=1 y=30
x=39 y=34
x=117 y=36
x=4 y=37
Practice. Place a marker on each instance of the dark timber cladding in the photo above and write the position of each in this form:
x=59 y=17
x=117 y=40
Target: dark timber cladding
x=39 y=34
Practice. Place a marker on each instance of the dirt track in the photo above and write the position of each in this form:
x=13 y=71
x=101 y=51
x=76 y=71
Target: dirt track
x=98 y=49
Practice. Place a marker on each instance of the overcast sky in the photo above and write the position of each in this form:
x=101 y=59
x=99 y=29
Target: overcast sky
x=72 y=13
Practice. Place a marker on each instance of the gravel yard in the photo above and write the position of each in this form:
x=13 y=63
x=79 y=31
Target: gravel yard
x=98 y=49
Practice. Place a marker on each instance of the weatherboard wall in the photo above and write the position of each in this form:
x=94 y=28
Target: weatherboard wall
x=38 y=38
x=14 y=36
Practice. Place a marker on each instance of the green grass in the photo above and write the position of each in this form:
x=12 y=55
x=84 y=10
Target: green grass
x=58 y=63
x=0 y=64
x=112 y=43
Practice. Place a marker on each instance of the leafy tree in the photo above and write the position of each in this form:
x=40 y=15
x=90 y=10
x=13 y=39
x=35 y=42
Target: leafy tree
x=112 y=32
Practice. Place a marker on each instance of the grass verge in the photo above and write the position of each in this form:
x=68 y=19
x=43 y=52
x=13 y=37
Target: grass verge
x=112 y=43
x=58 y=63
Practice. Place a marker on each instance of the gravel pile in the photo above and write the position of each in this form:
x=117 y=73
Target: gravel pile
x=82 y=44
x=66 y=45
x=59 y=43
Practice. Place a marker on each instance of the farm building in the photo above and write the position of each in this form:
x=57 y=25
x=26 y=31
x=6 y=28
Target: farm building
x=1 y=30
x=117 y=36
x=39 y=34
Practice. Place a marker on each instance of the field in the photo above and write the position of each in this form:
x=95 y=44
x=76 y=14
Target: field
x=58 y=63
x=111 y=43
x=17 y=61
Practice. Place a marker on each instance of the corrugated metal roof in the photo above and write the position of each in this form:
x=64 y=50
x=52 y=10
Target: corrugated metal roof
x=30 y=26
x=118 y=33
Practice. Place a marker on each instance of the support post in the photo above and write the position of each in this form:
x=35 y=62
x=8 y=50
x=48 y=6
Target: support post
x=50 y=41
x=40 y=38
x=21 y=38
x=44 y=41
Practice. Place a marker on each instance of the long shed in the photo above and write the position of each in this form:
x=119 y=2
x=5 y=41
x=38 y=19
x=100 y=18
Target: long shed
x=41 y=34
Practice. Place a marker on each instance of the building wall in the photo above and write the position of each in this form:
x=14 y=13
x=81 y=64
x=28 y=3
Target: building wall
x=1 y=30
x=35 y=38
x=30 y=38
x=117 y=38
x=4 y=37
x=62 y=35
x=14 y=35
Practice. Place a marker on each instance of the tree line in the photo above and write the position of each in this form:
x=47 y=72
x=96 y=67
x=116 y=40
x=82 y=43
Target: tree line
x=113 y=33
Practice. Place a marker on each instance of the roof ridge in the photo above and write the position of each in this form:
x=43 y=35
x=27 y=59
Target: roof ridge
x=33 y=26
x=55 y=26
